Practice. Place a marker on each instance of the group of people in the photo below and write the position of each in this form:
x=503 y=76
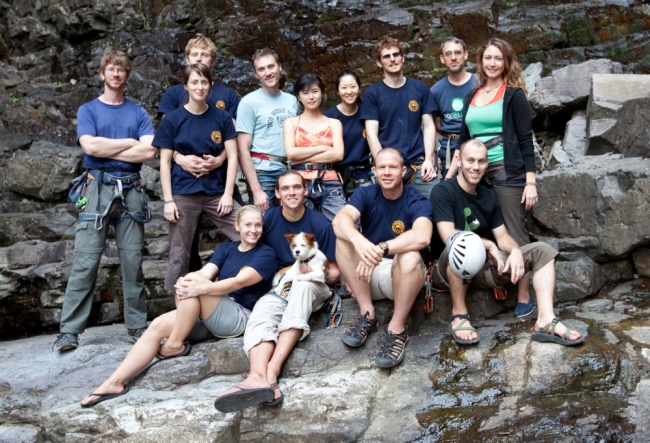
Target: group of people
x=364 y=177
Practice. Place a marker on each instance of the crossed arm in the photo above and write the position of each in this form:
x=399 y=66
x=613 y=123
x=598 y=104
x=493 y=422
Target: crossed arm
x=200 y=283
x=316 y=154
x=124 y=149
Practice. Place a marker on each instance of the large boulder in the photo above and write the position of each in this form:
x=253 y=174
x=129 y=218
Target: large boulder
x=601 y=202
x=43 y=171
x=618 y=118
x=578 y=277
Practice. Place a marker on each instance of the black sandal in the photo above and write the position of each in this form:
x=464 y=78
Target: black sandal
x=357 y=335
x=392 y=353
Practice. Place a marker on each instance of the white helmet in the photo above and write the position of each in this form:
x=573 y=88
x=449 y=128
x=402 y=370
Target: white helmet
x=466 y=254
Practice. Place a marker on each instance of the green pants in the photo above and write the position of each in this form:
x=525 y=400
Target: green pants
x=88 y=247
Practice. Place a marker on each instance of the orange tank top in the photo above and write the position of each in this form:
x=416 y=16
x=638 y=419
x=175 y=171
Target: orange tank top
x=306 y=139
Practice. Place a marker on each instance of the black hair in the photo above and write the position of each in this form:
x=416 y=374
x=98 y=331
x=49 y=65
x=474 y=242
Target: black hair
x=355 y=77
x=305 y=81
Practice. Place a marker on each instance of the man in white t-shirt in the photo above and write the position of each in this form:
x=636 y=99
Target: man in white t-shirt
x=260 y=140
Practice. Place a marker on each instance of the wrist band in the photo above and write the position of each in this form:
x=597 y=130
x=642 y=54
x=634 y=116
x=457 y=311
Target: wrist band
x=531 y=184
x=171 y=200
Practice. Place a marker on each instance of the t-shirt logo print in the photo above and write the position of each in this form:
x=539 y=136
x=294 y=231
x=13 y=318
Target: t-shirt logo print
x=364 y=134
x=220 y=104
x=216 y=136
x=413 y=106
x=472 y=225
x=457 y=104
x=398 y=227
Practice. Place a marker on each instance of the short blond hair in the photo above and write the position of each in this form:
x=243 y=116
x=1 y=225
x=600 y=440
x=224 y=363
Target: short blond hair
x=202 y=42
x=386 y=43
x=117 y=58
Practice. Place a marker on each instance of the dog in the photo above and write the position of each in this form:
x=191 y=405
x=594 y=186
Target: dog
x=311 y=264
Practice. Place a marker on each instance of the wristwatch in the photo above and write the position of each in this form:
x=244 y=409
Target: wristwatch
x=384 y=246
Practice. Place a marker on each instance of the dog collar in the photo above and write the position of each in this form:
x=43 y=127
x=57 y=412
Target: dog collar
x=302 y=262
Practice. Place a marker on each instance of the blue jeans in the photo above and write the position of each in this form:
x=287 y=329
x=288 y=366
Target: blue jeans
x=267 y=181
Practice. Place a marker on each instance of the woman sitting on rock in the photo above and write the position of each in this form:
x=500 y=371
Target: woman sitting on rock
x=497 y=114
x=205 y=308
x=195 y=129
x=313 y=143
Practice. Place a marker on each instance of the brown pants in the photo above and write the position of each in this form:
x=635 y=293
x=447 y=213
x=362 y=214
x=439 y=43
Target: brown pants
x=536 y=256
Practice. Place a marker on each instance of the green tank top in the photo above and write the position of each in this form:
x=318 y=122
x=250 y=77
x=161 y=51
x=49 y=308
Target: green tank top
x=485 y=120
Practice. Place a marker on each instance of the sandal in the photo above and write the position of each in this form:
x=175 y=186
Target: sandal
x=392 y=353
x=547 y=334
x=460 y=327
x=186 y=350
x=278 y=400
x=358 y=334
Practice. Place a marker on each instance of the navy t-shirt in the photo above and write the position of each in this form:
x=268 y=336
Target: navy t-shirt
x=399 y=112
x=383 y=219
x=221 y=97
x=230 y=260
x=478 y=213
x=275 y=226
x=192 y=134
x=126 y=120
x=354 y=137
x=449 y=100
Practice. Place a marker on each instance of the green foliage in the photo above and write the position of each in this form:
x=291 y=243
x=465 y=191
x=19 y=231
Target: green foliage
x=145 y=19
x=14 y=99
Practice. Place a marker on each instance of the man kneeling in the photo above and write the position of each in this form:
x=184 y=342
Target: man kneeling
x=384 y=261
x=462 y=204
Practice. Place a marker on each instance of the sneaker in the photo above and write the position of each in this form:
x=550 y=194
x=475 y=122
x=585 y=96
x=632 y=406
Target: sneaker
x=392 y=353
x=135 y=334
x=66 y=341
x=524 y=309
x=358 y=334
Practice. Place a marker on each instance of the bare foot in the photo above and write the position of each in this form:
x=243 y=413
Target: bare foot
x=108 y=387
x=463 y=334
x=560 y=329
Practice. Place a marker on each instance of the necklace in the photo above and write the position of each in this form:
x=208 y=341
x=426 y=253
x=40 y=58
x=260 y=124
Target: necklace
x=487 y=91
x=291 y=217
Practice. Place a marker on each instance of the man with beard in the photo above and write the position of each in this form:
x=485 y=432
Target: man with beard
x=384 y=261
x=462 y=204
x=449 y=96
x=115 y=135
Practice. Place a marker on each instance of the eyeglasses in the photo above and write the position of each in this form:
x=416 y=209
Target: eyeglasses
x=115 y=71
x=393 y=55
x=456 y=53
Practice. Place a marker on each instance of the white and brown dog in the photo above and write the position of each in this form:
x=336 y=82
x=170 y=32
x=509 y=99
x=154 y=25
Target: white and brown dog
x=311 y=264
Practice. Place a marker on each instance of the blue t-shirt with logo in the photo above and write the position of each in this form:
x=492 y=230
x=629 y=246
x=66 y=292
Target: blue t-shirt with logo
x=126 y=120
x=478 y=213
x=262 y=115
x=221 y=97
x=449 y=100
x=275 y=226
x=354 y=137
x=399 y=112
x=383 y=219
x=192 y=134
x=230 y=260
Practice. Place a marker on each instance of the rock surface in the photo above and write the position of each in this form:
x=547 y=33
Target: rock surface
x=441 y=392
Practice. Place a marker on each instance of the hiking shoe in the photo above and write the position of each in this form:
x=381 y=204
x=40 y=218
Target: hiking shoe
x=135 y=334
x=392 y=353
x=66 y=341
x=358 y=334
x=524 y=309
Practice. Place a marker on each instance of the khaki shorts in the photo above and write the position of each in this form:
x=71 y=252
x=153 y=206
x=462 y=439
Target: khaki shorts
x=381 y=282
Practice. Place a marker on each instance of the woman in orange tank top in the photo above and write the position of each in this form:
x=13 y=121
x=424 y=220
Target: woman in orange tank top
x=313 y=142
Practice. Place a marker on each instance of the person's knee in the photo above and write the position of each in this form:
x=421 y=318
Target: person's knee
x=160 y=325
x=407 y=262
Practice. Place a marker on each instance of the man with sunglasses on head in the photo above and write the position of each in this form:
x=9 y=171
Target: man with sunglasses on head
x=397 y=114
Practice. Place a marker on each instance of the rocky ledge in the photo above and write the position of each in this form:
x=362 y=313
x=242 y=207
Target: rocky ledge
x=505 y=389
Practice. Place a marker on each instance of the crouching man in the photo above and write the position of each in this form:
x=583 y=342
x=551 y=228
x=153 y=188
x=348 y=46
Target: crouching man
x=384 y=261
x=462 y=204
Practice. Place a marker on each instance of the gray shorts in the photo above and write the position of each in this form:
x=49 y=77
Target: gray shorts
x=228 y=320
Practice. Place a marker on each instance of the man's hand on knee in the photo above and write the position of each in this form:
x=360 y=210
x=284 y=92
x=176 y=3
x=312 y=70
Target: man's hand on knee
x=364 y=272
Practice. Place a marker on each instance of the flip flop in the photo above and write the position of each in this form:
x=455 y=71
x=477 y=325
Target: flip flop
x=278 y=400
x=540 y=334
x=186 y=351
x=103 y=397
x=460 y=327
x=243 y=399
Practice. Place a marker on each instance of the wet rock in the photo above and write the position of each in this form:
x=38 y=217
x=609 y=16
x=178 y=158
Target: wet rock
x=641 y=257
x=44 y=171
x=639 y=334
x=612 y=190
x=617 y=121
x=616 y=271
x=577 y=277
x=607 y=318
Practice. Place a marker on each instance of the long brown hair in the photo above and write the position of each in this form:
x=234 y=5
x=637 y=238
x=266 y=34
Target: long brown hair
x=511 y=69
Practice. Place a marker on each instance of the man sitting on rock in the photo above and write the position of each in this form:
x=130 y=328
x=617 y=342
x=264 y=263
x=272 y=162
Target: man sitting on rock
x=462 y=204
x=279 y=321
x=384 y=261
x=115 y=135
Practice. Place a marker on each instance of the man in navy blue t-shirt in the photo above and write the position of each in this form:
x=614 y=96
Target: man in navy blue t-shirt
x=397 y=111
x=115 y=135
x=277 y=323
x=449 y=96
x=384 y=261
x=462 y=204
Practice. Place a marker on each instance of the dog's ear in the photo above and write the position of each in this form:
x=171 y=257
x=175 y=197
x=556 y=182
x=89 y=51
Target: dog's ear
x=289 y=237
x=310 y=238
